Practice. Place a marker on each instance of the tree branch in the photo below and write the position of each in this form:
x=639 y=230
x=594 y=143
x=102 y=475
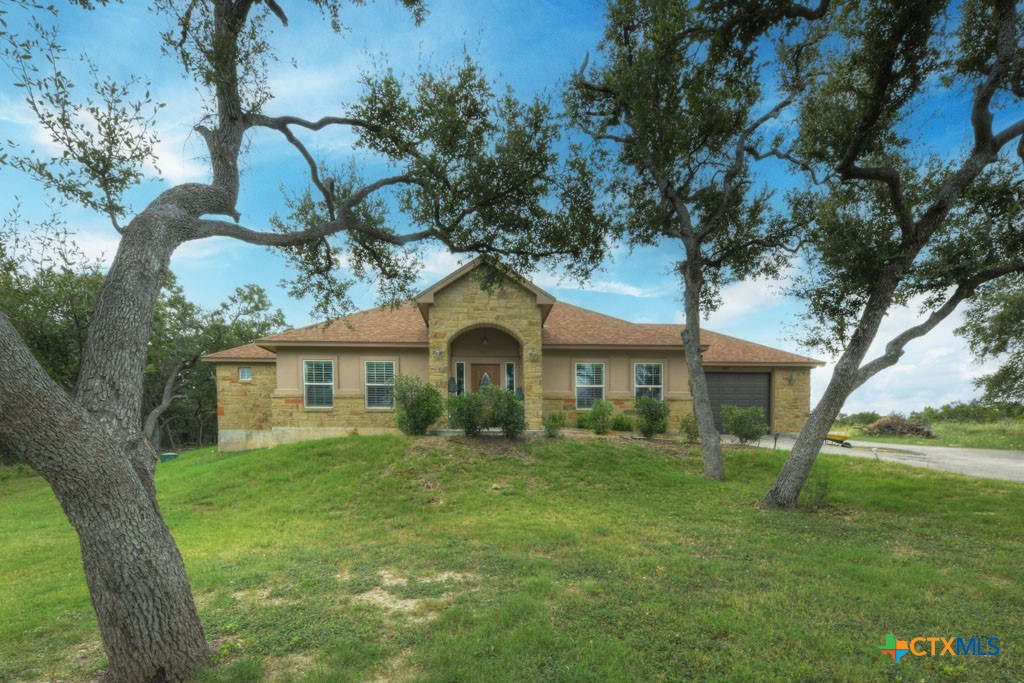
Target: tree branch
x=169 y=397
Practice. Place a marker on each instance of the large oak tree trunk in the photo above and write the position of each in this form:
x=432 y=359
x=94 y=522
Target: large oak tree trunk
x=135 y=574
x=710 y=441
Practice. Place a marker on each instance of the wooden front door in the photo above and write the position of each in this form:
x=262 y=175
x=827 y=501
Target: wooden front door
x=483 y=375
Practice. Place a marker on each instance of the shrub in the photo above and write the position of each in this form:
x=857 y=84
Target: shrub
x=553 y=423
x=584 y=421
x=503 y=410
x=622 y=423
x=816 y=491
x=467 y=413
x=746 y=424
x=688 y=428
x=897 y=425
x=857 y=419
x=417 y=404
x=653 y=416
x=601 y=416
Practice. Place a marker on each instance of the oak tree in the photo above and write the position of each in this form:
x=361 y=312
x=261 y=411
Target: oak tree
x=470 y=168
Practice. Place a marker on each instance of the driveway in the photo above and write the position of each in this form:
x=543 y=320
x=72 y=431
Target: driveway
x=974 y=462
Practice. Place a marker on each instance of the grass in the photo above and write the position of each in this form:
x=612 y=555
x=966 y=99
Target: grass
x=1005 y=435
x=388 y=558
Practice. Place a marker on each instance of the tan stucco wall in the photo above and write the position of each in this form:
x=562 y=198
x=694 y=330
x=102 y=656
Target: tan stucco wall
x=348 y=366
x=513 y=309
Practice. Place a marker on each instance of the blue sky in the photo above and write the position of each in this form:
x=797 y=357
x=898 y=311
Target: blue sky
x=532 y=46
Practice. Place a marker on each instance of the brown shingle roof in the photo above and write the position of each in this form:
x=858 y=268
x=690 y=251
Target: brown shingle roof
x=569 y=325
x=248 y=352
x=381 y=325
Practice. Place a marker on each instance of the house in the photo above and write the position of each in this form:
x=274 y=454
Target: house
x=327 y=380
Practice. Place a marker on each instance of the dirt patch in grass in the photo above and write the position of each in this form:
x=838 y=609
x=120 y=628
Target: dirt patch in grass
x=261 y=597
x=295 y=665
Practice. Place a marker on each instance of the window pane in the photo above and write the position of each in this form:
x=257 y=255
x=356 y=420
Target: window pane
x=245 y=374
x=319 y=395
x=652 y=392
x=510 y=376
x=460 y=378
x=648 y=373
x=589 y=373
x=320 y=371
x=585 y=397
x=379 y=396
x=380 y=372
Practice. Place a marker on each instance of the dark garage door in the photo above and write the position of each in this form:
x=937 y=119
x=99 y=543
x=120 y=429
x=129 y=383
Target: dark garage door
x=743 y=389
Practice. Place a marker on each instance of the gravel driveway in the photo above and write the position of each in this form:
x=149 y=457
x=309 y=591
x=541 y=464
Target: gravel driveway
x=974 y=462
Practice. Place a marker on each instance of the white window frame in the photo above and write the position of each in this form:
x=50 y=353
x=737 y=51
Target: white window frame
x=513 y=387
x=305 y=383
x=367 y=384
x=576 y=375
x=247 y=377
x=460 y=385
x=659 y=387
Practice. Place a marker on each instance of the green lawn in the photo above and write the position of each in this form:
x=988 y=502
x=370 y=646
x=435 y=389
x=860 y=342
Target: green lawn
x=387 y=558
x=1008 y=435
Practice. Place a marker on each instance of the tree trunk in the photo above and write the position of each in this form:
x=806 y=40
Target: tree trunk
x=710 y=441
x=136 y=577
x=845 y=379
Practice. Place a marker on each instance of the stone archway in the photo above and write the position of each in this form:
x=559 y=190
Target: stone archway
x=463 y=307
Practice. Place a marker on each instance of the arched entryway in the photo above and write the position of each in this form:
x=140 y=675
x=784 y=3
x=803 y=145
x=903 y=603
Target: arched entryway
x=485 y=355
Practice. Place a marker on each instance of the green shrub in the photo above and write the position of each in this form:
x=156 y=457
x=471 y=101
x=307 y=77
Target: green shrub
x=622 y=423
x=688 y=428
x=857 y=419
x=746 y=424
x=601 y=416
x=553 y=423
x=584 y=421
x=467 y=413
x=417 y=404
x=652 y=416
x=503 y=410
x=816 y=491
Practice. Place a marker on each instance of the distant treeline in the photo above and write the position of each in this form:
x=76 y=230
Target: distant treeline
x=957 y=411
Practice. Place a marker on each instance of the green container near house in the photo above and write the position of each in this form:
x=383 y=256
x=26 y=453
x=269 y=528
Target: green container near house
x=167 y=457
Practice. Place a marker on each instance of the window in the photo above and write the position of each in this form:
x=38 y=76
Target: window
x=460 y=378
x=244 y=374
x=319 y=383
x=647 y=380
x=589 y=384
x=510 y=376
x=380 y=383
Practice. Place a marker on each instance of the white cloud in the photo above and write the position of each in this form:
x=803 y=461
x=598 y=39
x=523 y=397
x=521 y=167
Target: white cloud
x=601 y=286
x=208 y=252
x=742 y=299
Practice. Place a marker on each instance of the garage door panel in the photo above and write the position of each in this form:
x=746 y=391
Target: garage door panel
x=743 y=389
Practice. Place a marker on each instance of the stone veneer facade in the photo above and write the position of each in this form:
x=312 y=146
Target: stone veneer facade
x=790 y=400
x=463 y=306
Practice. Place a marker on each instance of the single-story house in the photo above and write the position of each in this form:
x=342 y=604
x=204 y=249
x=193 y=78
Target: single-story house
x=327 y=380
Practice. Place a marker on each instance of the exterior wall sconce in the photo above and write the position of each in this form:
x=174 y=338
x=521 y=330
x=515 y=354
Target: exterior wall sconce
x=484 y=340
x=791 y=379
x=438 y=353
x=533 y=355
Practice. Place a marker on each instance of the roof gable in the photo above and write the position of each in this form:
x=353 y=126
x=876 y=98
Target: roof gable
x=425 y=298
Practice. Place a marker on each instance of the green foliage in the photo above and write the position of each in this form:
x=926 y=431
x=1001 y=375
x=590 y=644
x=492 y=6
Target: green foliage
x=746 y=424
x=504 y=411
x=857 y=419
x=417 y=404
x=688 y=427
x=975 y=410
x=622 y=423
x=467 y=413
x=553 y=424
x=816 y=491
x=601 y=416
x=584 y=420
x=994 y=329
x=653 y=416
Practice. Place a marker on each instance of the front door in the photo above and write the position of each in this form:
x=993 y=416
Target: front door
x=484 y=375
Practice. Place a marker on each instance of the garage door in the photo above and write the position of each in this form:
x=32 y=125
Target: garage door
x=743 y=389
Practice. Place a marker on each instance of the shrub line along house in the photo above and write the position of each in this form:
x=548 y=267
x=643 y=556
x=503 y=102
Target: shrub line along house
x=327 y=380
